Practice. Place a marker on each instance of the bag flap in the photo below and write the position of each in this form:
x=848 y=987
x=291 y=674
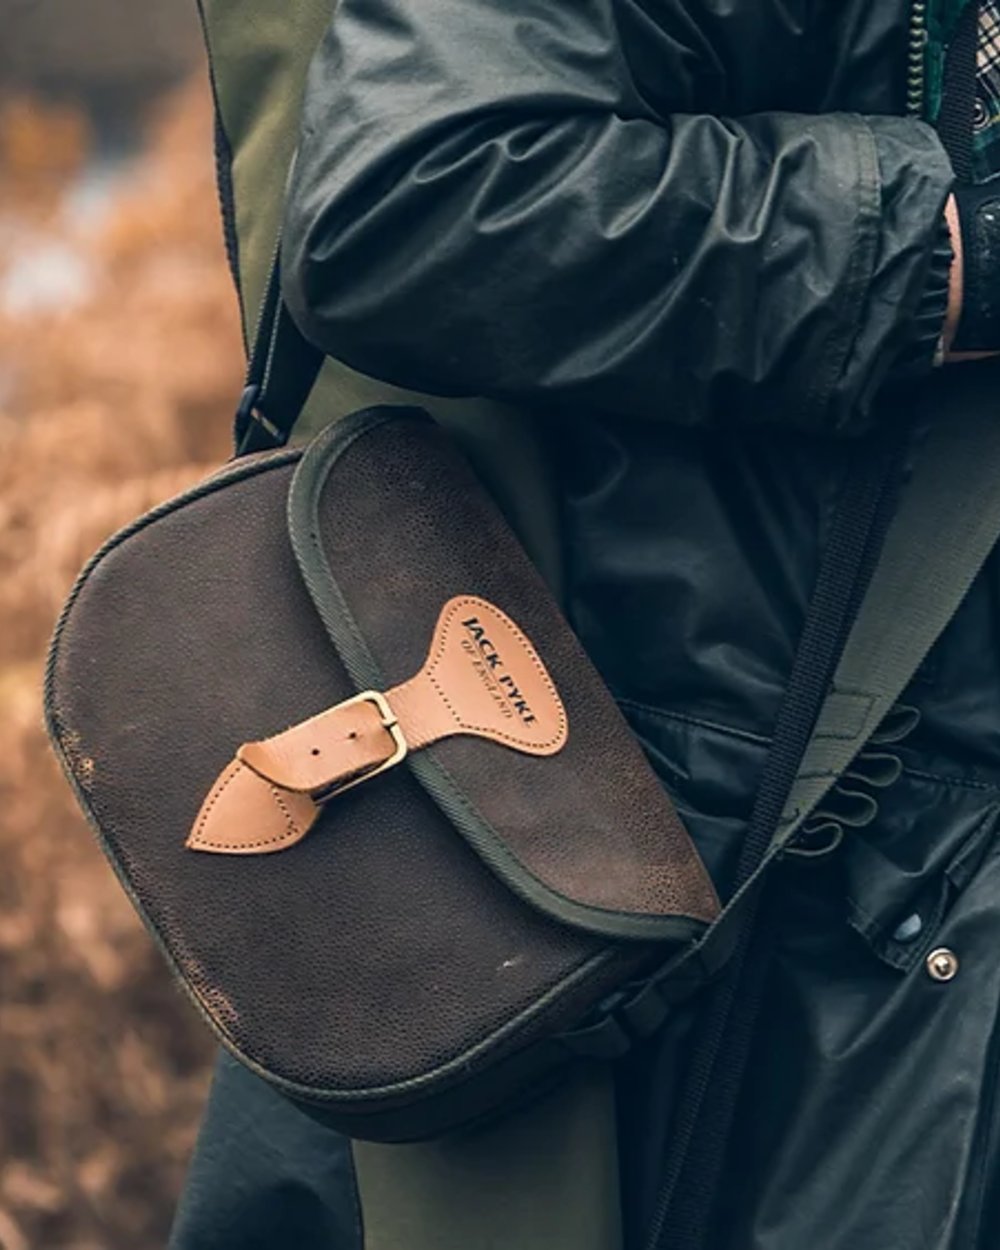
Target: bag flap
x=398 y=544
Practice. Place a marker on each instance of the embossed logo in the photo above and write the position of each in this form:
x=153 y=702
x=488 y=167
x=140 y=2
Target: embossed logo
x=492 y=669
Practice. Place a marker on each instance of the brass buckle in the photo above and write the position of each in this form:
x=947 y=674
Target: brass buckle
x=389 y=723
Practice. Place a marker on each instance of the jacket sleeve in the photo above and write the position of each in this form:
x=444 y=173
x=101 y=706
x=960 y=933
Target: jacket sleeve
x=503 y=199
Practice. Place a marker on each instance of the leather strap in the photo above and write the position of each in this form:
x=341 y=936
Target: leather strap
x=482 y=677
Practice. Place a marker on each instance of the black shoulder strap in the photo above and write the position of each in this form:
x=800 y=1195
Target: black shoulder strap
x=282 y=369
x=719 y=1052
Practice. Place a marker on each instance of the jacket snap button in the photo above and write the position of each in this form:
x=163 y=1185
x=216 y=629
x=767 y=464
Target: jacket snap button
x=942 y=964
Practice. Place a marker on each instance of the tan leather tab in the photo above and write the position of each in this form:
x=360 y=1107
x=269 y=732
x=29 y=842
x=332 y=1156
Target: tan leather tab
x=482 y=676
x=245 y=815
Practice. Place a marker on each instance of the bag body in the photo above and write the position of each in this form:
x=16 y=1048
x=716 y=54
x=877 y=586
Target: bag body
x=422 y=955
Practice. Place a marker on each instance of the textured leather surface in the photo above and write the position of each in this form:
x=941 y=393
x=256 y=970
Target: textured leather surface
x=381 y=950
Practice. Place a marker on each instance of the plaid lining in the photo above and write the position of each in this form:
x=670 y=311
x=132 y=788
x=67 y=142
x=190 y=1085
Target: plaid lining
x=986 y=120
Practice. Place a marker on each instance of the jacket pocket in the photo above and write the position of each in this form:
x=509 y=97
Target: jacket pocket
x=904 y=871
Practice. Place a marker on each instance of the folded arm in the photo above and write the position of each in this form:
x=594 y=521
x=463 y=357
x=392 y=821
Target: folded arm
x=485 y=203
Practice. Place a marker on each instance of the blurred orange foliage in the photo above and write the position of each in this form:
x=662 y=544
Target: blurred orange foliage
x=41 y=147
x=107 y=405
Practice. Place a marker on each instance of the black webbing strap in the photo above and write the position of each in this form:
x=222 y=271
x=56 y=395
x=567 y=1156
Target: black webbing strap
x=687 y=1201
x=280 y=374
x=958 y=92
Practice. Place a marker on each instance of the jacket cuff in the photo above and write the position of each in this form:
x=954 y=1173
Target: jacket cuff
x=923 y=350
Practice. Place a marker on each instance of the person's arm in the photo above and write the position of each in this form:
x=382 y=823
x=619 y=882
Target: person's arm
x=516 y=200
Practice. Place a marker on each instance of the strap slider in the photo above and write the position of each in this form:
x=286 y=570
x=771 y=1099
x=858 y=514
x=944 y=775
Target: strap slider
x=248 y=400
x=254 y=432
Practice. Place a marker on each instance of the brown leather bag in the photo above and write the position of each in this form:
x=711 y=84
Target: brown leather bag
x=427 y=895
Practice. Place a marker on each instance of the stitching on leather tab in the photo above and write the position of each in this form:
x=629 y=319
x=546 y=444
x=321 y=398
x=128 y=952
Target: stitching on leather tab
x=529 y=650
x=291 y=826
x=207 y=810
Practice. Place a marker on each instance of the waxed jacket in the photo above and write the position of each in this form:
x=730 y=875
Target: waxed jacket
x=694 y=237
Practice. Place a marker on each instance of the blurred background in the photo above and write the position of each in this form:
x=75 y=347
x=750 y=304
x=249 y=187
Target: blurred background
x=119 y=363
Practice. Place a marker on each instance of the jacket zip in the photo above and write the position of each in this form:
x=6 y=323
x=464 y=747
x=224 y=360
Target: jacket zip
x=915 y=64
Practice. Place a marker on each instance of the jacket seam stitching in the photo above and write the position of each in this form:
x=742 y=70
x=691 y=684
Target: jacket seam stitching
x=863 y=255
x=967 y=783
x=731 y=731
